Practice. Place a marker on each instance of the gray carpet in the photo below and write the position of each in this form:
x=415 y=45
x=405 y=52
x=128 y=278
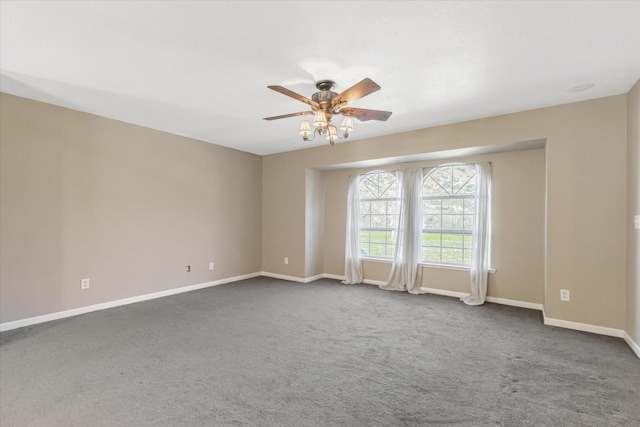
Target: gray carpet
x=266 y=352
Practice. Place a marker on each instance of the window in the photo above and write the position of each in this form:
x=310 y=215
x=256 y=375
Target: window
x=448 y=210
x=378 y=214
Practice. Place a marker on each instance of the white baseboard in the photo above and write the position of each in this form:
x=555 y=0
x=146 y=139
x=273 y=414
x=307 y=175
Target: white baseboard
x=584 y=327
x=102 y=306
x=313 y=278
x=332 y=276
x=454 y=294
x=365 y=281
x=515 y=303
x=444 y=292
x=282 y=277
x=631 y=343
x=374 y=282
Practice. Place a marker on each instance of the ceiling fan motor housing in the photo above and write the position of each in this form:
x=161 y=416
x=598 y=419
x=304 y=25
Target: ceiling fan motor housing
x=325 y=96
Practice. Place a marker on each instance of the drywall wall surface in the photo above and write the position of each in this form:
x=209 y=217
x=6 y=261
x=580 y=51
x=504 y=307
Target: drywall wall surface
x=633 y=209
x=314 y=222
x=518 y=182
x=586 y=160
x=586 y=212
x=128 y=207
x=283 y=217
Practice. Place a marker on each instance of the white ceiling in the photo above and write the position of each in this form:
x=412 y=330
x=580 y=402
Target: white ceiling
x=200 y=69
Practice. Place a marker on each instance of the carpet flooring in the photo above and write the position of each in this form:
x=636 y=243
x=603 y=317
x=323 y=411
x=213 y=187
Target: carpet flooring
x=267 y=352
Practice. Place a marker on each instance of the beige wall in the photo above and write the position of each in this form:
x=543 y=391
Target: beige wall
x=127 y=207
x=633 y=208
x=518 y=182
x=314 y=222
x=283 y=208
x=586 y=196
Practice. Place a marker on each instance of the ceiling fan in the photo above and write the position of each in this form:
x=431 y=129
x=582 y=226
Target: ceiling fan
x=325 y=104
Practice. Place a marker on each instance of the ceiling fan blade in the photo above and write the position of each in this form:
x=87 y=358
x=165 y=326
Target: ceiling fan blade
x=357 y=91
x=293 y=95
x=284 y=116
x=366 y=115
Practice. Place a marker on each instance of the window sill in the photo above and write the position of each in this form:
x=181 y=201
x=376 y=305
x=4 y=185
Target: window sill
x=425 y=264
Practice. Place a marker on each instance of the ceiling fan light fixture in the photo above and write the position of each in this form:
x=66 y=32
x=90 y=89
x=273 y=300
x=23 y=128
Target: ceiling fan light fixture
x=320 y=119
x=347 y=124
x=325 y=105
x=332 y=134
x=305 y=129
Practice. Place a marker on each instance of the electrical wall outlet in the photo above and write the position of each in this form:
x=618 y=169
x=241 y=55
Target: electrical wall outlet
x=565 y=295
x=286 y=260
x=84 y=284
x=210 y=266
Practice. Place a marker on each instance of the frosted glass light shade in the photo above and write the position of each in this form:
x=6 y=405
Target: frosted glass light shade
x=305 y=129
x=332 y=133
x=347 y=124
x=320 y=119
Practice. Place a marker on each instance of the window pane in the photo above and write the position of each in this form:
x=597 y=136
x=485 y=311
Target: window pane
x=387 y=185
x=452 y=206
x=469 y=206
x=391 y=251
x=452 y=222
x=389 y=237
x=378 y=184
x=365 y=207
x=467 y=257
x=432 y=222
x=364 y=249
x=432 y=206
x=378 y=221
x=431 y=254
x=365 y=221
x=452 y=241
x=468 y=242
x=452 y=256
x=364 y=236
x=379 y=208
x=431 y=239
x=391 y=221
x=463 y=179
x=377 y=236
x=468 y=223
x=365 y=192
x=377 y=250
x=442 y=179
x=431 y=187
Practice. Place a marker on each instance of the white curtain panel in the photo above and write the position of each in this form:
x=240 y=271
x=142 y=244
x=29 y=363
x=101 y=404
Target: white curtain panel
x=352 y=261
x=481 y=237
x=406 y=272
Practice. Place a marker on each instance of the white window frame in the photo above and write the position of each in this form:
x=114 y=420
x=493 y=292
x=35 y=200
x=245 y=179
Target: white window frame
x=463 y=233
x=387 y=230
